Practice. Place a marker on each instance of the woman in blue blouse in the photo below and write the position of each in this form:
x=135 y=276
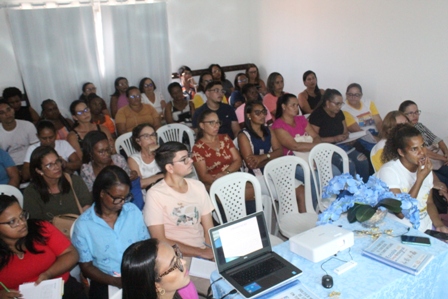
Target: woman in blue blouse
x=105 y=230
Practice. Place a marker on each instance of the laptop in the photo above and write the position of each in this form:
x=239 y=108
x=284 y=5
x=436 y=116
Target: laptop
x=244 y=257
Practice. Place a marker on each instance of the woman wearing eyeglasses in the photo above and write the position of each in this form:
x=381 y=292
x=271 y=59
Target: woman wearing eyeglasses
x=151 y=96
x=144 y=140
x=83 y=125
x=50 y=193
x=258 y=145
x=328 y=121
x=33 y=251
x=236 y=98
x=97 y=154
x=119 y=99
x=135 y=113
x=215 y=155
x=254 y=78
x=89 y=88
x=50 y=111
x=362 y=115
x=103 y=232
x=219 y=75
x=151 y=269
x=437 y=150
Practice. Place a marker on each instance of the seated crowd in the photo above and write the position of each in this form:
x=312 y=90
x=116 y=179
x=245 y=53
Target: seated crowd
x=144 y=216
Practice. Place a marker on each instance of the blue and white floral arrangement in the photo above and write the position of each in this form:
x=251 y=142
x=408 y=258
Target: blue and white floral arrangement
x=362 y=200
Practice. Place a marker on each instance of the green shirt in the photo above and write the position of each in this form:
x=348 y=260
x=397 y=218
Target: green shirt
x=58 y=203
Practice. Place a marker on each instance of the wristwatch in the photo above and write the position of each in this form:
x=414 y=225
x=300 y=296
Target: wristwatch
x=269 y=156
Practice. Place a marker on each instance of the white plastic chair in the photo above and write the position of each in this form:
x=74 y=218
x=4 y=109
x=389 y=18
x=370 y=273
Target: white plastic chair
x=124 y=142
x=279 y=175
x=11 y=190
x=175 y=132
x=321 y=155
x=230 y=190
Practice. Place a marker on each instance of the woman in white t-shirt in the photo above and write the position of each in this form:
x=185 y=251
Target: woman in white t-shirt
x=151 y=96
x=144 y=140
x=407 y=169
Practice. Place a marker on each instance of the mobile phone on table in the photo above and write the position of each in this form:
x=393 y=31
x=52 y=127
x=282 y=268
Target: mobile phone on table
x=415 y=240
x=436 y=234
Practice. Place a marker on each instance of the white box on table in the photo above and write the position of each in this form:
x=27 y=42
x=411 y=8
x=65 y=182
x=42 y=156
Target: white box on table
x=321 y=242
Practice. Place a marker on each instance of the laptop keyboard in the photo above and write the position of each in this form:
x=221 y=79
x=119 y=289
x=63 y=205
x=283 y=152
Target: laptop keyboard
x=257 y=271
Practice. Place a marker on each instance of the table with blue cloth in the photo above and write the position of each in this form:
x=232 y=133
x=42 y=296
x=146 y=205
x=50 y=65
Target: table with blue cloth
x=369 y=279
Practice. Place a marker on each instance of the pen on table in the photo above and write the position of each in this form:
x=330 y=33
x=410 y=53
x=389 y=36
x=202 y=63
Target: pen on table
x=6 y=289
x=206 y=245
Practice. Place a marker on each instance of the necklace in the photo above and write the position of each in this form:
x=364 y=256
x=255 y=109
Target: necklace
x=20 y=255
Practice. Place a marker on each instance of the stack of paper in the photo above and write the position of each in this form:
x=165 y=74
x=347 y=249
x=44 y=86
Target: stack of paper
x=47 y=289
x=397 y=255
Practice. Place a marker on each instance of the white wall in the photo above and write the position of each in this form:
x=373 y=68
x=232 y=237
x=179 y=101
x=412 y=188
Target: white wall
x=213 y=31
x=397 y=50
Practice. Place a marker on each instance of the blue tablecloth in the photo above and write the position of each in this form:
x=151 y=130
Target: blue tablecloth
x=369 y=279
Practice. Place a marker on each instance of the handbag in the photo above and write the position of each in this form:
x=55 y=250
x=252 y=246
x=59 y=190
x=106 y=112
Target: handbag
x=64 y=222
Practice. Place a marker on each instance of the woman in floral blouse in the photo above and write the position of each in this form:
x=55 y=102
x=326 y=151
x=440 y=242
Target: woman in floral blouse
x=215 y=155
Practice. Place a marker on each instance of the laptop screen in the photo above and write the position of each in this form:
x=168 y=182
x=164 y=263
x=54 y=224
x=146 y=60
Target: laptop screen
x=239 y=240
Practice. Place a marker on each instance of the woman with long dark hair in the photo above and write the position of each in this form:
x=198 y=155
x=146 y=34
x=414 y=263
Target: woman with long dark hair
x=89 y=88
x=97 y=154
x=257 y=143
x=33 y=251
x=83 y=125
x=49 y=193
x=407 y=169
x=119 y=99
x=328 y=121
x=253 y=74
x=311 y=96
x=103 y=232
x=50 y=111
x=275 y=90
x=151 y=269
x=144 y=140
x=151 y=96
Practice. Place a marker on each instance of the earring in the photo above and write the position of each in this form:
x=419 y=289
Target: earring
x=161 y=291
x=250 y=118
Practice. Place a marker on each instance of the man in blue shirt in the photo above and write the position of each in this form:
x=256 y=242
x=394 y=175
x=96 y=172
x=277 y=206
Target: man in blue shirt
x=225 y=112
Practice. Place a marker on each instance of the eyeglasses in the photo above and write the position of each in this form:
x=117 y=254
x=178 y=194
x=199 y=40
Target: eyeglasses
x=242 y=81
x=147 y=136
x=259 y=112
x=340 y=104
x=90 y=89
x=177 y=264
x=104 y=151
x=213 y=122
x=354 y=95
x=118 y=200
x=148 y=85
x=217 y=90
x=207 y=81
x=185 y=160
x=135 y=96
x=51 y=166
x=122 y=84
x=15 y=222
x=418 y=112
x=252 y=72
x=83 y=111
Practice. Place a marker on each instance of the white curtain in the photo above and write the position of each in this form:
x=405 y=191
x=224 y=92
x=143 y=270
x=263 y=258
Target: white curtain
x=56 y=52
x=136 y=44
